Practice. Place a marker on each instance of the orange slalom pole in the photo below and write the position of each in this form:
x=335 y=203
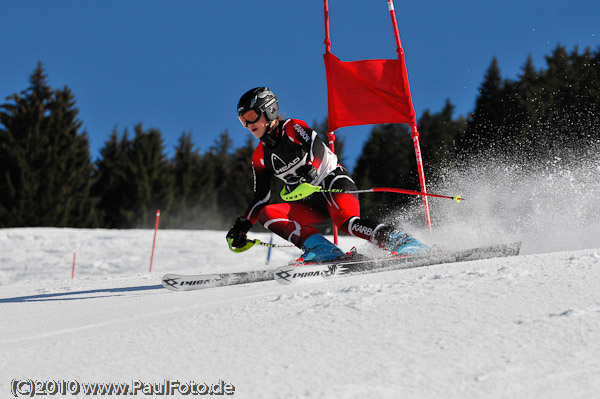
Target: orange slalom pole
x=73 y=272
x=154 y=242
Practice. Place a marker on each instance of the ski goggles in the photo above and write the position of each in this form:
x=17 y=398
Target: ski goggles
x=250 y=116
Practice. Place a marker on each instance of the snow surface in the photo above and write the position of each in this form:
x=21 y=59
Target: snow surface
x=520 y=327
x=526 y=327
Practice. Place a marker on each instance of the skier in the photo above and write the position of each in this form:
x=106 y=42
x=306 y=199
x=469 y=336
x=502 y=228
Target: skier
x=291 y=151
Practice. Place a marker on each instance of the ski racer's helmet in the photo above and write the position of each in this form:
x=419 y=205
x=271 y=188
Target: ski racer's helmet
x=256 y=102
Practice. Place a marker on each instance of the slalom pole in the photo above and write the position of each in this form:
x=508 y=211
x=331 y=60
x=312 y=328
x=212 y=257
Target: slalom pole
x=154 y=242
x=331 y=136
x=413 y=124
x=73 y=272
x=305 y=189
x=421 y=170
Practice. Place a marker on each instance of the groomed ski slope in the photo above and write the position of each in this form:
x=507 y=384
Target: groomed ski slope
x=522 y=327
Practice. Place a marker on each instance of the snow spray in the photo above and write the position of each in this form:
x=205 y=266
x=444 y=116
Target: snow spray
x=550 y=202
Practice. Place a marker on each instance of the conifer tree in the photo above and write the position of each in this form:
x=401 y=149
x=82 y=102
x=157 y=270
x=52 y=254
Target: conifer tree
x=569 y=95
x=44 y=159
x=486 y=120
x=530 y=100
x=561 y=103
x=439 y=134
x=154 y=179
x=190 y=185
x=113 y=183
x=216 y=169
x=134 y=179
x=238 y=191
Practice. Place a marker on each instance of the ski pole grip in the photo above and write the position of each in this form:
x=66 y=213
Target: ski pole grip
x=302 y=191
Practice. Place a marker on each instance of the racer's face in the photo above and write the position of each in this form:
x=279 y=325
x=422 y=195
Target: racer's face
x=259 y=127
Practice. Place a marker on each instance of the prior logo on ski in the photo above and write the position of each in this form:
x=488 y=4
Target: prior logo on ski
x=286 y=274
x=184 y=283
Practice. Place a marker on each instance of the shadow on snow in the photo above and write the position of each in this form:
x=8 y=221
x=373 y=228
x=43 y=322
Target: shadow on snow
x=66 y=296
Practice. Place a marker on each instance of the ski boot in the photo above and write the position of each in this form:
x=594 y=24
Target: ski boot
x=318 y=249
x=399 y=243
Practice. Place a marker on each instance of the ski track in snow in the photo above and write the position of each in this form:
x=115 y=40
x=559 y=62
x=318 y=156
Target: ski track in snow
x=526 y=327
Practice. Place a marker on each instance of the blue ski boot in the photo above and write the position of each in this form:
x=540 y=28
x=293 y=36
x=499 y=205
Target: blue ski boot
x=318 y=249
x=401 y=243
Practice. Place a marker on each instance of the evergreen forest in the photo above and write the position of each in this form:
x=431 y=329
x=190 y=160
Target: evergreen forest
x=47 y=176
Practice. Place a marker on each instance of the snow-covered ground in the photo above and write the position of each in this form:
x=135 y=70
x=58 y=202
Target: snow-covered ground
x=520 y=327
x=526 y=327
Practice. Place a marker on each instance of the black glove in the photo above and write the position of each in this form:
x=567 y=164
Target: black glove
x=236 y=235
x=307 y=173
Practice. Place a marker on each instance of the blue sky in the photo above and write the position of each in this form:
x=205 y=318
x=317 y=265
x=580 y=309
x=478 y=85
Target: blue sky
x=181 y=65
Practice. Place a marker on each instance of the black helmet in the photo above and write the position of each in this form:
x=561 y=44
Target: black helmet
x=260 y=99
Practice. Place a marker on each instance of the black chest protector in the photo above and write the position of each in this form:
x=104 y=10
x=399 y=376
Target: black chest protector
x=283 y=156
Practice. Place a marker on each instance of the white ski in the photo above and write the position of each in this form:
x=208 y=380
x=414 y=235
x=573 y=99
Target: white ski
x=296 y=273
x=182 y=282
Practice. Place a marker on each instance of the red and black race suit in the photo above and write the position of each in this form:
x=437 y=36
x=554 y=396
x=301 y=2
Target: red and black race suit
x=296 y=145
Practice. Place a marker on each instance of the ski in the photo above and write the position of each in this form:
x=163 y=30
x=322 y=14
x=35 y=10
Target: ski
x=300 y=272
x=187 y=282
